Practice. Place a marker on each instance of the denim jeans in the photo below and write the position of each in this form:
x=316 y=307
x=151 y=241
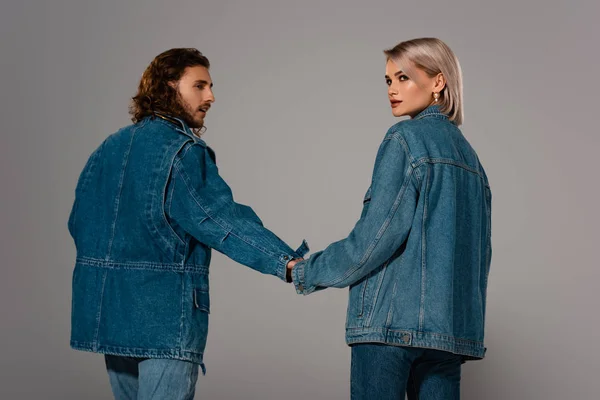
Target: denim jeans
x=151 y=378
x=384 y=372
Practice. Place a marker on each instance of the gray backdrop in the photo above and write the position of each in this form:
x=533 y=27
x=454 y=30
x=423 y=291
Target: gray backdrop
x=301 y=109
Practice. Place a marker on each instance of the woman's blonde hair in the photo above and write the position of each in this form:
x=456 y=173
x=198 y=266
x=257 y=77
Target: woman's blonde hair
x=433 y=56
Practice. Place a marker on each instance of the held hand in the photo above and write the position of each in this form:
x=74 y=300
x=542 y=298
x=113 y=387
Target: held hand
x=289 y=267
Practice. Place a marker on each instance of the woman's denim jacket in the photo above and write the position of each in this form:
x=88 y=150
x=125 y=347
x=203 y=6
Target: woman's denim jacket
x=149 y=206
x=418 y=259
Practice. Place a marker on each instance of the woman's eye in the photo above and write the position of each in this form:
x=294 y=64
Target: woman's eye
x=388 y=82
x=403 y=78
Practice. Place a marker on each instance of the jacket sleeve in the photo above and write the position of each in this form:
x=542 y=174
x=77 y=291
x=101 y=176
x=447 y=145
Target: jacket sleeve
x=203 y=205
x=381 y=230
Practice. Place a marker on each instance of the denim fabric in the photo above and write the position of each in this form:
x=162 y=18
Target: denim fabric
x=417 y=260
x=151 y=378
x=384 y=372
x=149 y=207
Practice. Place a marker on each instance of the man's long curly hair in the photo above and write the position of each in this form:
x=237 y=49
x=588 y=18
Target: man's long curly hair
x=154 y=92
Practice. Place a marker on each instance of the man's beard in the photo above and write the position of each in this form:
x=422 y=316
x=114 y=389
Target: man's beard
x=187 y=114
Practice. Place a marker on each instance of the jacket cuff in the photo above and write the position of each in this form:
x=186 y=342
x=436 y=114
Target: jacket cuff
x=281 y=265
x=298 y=278
x=284 y=259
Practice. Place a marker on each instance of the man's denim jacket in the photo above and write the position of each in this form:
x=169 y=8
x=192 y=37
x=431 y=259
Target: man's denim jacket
x=149 y=207
x=418 y=259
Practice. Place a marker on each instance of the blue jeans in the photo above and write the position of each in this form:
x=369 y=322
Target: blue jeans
x=384 y=372
x=151 y=378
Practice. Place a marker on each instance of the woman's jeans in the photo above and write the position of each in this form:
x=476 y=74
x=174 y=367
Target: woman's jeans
x=384 y=372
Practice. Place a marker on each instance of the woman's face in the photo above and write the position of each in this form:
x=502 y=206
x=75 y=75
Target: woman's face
x=406 y=96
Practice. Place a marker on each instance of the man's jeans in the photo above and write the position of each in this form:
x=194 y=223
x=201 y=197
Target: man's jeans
x=151 y=378
x=382 y=372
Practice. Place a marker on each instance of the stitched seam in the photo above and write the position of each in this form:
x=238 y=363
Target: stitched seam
x=139 y=349
x=428 y=160
x=152 y=211
x=431 y=113
x=227 y=230
x=186 y=249
x=99 y=314
x=388 y=320
x=118 y=199
x=203 y=270
x=396 y=205
x=103 y=261
x=362 y=298
x=424 y=252
x=400 y=138
x=417 y=335
x=91 y=262
x=183 y=154
x=376 y=294
x=163 y=192
x=169 y=202
x=417 y=176
x=380 y=233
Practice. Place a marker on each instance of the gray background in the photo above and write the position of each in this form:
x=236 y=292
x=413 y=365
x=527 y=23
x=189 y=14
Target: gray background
x=301 y=109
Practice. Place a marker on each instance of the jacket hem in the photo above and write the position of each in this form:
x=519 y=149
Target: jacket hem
x=174 y=354
x=470 y=350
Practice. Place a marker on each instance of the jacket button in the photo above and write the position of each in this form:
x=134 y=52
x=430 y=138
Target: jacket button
x=406 y=338
x=301 y=288
x=286 y=258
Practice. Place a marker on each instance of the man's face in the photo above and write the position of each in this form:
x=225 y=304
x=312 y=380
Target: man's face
x=195 y=93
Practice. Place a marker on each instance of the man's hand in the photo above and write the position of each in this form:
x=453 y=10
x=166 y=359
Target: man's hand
x=289 y=267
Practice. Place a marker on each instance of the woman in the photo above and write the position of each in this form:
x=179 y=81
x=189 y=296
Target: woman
x=417 y=261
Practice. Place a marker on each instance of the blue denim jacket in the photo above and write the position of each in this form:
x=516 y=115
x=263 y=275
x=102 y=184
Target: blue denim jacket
x=149 y=207
x=418 y=259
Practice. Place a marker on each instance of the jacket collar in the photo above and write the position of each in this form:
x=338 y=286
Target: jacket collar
x=433 y=110
x=179 y=125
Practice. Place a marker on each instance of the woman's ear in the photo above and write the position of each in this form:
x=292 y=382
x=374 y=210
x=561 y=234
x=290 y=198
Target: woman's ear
x=440 y=83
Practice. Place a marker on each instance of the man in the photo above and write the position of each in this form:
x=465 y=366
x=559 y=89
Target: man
x=149 y=207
